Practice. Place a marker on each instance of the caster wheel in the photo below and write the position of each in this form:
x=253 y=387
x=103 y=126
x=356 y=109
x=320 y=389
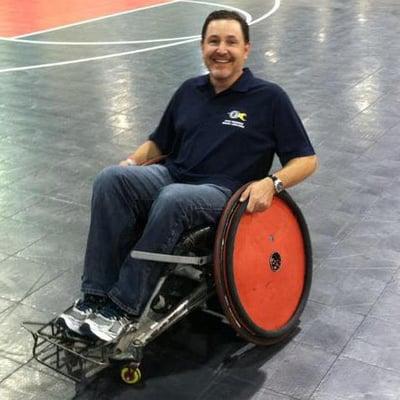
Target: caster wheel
x=131 y=375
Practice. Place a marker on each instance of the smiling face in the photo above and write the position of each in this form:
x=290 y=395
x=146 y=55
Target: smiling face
x=224 y=52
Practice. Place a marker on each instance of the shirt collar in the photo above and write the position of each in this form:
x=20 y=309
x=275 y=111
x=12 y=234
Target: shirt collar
x=243 y=84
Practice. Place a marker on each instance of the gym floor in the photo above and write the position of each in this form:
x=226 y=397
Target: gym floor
x=84 y=82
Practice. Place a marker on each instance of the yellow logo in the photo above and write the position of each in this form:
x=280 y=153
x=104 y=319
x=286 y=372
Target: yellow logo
x=238 y=115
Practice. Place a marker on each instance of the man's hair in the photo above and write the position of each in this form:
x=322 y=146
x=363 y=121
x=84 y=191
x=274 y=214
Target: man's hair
x=226 y=14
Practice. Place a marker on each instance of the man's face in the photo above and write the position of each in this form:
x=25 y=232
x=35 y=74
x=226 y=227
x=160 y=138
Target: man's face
x=224 y=51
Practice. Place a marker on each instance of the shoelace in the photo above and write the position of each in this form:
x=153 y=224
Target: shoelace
x=83 y=305
x=111 y=311
x=89 y=303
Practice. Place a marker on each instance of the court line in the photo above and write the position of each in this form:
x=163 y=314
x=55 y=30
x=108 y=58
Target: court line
x=245 y=13
x=86 y=21
x=77 y=61
x=269 y=13
x=82 y=60
x=58 y=43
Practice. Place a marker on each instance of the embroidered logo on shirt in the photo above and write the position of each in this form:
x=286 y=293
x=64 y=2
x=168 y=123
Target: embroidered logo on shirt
x=234 y=117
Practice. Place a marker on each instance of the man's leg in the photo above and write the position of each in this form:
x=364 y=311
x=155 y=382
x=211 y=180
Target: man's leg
x=122 y=196
x=178 y=208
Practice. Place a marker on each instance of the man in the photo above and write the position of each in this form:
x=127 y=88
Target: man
x=219 y=131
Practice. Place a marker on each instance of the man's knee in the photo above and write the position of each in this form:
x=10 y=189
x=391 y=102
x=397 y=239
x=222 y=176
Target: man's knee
x=108 y=177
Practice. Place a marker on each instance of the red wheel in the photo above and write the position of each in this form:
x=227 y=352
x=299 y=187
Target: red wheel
x=263 y=268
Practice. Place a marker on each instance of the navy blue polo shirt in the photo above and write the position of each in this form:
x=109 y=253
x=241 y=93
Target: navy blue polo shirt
x=229 y=138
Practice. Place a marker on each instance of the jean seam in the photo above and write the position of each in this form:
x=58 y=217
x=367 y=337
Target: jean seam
x=121 y=305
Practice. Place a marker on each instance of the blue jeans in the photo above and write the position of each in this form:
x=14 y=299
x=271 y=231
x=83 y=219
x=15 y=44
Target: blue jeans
x=142 y=208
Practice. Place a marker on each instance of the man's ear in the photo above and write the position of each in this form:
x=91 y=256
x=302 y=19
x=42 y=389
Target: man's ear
x=247 y=50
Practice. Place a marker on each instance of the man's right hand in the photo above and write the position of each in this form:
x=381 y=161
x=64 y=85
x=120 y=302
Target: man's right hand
x=144 y=153
x=128 y=162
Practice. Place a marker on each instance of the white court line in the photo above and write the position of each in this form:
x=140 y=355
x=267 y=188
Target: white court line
x=270 y=12
x=239 y=10
x=82 y=60
x=58 y=43
x=86 y=21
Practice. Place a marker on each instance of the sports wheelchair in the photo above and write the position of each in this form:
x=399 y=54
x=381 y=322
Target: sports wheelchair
x=259 y=266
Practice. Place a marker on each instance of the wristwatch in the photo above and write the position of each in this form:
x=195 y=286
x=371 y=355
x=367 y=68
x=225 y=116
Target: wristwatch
x=278 y=184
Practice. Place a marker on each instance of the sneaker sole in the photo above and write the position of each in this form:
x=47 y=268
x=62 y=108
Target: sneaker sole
x=69 y=323
x=89 y=327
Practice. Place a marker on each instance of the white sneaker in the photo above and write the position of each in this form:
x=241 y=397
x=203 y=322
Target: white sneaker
x=108 y=322
x=75 y=316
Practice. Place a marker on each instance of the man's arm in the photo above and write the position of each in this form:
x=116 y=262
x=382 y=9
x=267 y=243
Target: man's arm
x=260 y=193
x=143 y=153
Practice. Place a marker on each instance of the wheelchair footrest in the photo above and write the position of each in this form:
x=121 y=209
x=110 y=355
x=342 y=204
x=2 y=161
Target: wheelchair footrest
x=71 y=355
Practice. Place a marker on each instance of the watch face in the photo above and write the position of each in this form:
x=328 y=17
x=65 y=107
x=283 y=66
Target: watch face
x=279 y=186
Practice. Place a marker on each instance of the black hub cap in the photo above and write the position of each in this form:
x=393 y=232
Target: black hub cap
x=275 y=261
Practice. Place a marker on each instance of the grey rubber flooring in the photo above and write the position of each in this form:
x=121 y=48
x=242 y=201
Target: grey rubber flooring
x=60 y=125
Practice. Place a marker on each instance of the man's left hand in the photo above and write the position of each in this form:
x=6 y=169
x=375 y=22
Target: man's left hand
x=260 y=195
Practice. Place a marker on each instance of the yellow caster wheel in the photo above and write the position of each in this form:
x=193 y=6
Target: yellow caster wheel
x=131 y=375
